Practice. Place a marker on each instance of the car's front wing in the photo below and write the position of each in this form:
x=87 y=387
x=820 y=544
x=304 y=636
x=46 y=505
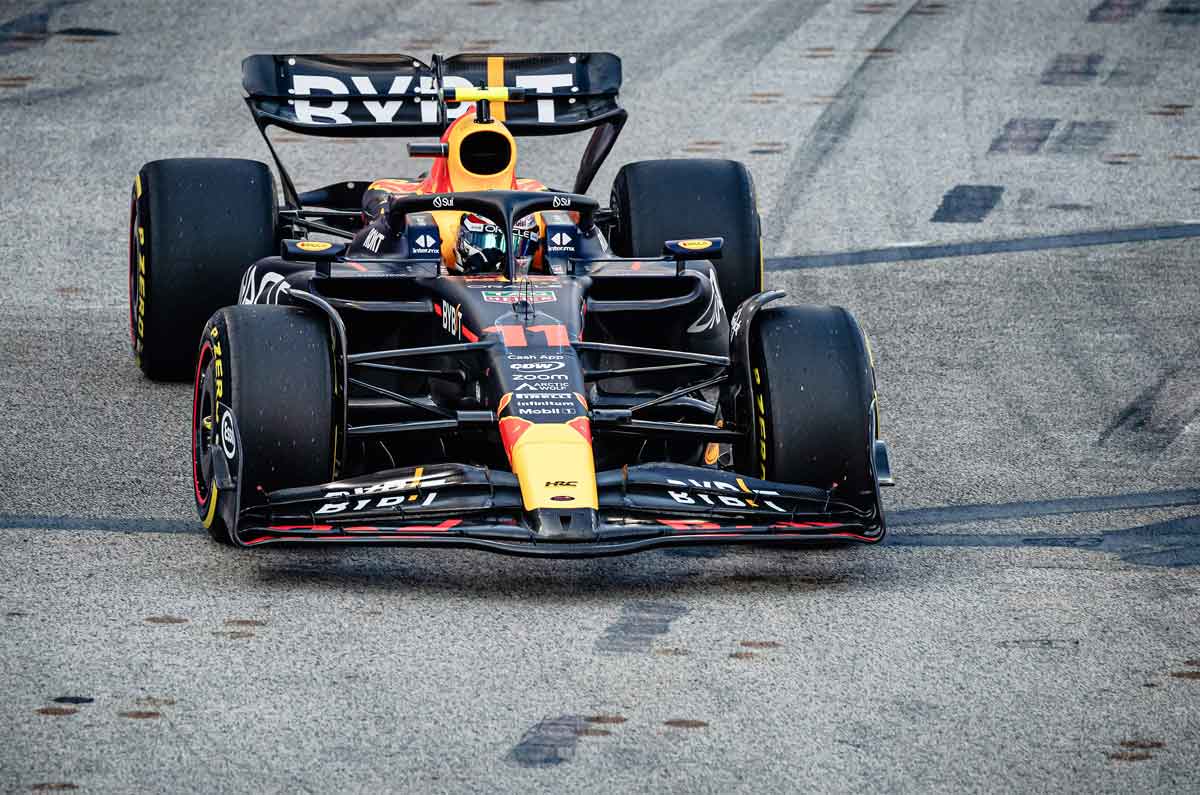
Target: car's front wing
x=641 y=507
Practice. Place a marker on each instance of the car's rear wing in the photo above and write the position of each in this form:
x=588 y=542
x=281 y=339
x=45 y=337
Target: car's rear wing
x=398 y=95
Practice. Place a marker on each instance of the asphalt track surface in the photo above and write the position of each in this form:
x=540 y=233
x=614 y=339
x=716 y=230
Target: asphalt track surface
x=1031 y=623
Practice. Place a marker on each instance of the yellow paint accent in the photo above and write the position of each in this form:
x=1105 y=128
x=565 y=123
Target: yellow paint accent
x=137 y=185
x=712 y=452
x=212 y=507
x=141 y=237
x=757 y=377
x=495 y=77
x=491 y=94
x=447 y=222
x=463 y=180
x=417 y=477
x=554 y=453
x=742 y=485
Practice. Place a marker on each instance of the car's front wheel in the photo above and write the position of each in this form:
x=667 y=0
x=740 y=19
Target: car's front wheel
x=812 y=406
x=262 y=409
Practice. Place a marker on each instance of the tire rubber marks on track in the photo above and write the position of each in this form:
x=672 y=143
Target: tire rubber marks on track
x=1027 y=136
x=548 y=742
x=1132 y=73
x=1181 y=12
x=552 y=741
x=1157 y=416
x=1072 y=69
x=967 y=204
x=1117 y=10
x=1022 y=136
x=33 y=29
x=1175 y=12
x=1078 y=69
x=1173 y=543
x=637 y=627
x=1081 y=137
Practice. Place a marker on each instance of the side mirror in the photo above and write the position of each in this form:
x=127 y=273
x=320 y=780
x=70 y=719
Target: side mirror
x=319 y=251
x=311 y=250
x=695 y=248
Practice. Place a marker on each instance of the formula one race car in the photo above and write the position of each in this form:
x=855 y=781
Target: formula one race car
x=470 y=359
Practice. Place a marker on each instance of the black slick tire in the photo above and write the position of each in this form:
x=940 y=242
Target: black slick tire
x=195 y=225
x=271 y=367
x=813 y=402
x=658 y=200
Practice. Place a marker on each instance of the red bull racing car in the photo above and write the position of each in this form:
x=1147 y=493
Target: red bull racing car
x=471 y=359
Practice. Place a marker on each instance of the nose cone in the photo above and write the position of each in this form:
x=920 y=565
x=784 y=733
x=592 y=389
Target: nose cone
x=553 y=462
x=577 y=525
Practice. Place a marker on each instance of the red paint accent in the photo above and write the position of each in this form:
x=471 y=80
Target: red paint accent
x=315 y=528
x=468 y=335
x=584 y=427
x=195 y=399
x=437 y=309
x=357 y=266
x=689 y=524
x=556 y=335
x=513 y=336
x=511 y=429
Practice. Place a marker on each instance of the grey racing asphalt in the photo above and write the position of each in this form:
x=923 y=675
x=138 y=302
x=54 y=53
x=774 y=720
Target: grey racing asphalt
x=1030 y=623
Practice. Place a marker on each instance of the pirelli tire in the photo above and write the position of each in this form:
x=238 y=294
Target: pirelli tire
x=195 y=225
x=813 y=403
x=270 y=368
x=658 y=200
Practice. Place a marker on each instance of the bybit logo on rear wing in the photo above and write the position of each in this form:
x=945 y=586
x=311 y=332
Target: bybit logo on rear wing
x=334 y=111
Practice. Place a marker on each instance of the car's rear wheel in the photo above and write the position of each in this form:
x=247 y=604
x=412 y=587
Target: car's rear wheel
x=195 y=225
x=658 y=200
x=270 y=369
x=813 y=403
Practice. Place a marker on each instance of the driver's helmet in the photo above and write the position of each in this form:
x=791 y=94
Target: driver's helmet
x=480 y=246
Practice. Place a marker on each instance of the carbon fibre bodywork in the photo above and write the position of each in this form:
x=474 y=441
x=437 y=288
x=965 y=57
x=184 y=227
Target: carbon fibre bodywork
x=523 y=414
x=570 y=404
